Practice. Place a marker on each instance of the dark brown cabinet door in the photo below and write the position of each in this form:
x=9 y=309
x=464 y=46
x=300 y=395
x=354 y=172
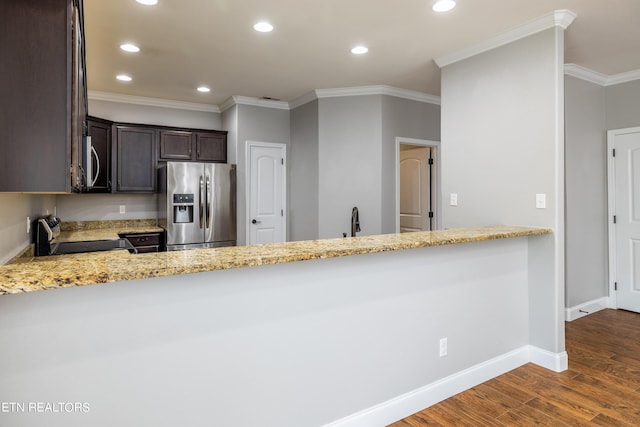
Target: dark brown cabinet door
x=135 y=159
x=211 y=147
x=176 y=145
x=100 y=133
x=42 y=94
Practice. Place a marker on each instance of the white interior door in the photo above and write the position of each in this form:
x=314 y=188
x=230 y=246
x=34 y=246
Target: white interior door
x=415 y=189
x=626 y=164
x=267 y=198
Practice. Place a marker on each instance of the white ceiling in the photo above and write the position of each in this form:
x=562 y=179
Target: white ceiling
x=186 y=43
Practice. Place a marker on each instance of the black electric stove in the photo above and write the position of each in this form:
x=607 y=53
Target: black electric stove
x=47 y=229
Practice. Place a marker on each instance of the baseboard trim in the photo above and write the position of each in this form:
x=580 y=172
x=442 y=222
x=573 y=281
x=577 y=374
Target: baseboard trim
x=556 y=362
x=409 y=403
x=414 y=401
x=578 y=311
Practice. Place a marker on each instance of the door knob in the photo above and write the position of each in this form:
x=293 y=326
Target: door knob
x=255 y=221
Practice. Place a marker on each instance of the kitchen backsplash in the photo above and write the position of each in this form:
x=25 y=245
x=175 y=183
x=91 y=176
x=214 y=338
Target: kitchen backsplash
x=92 y=207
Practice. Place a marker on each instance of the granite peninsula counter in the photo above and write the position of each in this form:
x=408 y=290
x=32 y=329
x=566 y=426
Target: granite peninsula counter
x=43 y=273
x=281 y=336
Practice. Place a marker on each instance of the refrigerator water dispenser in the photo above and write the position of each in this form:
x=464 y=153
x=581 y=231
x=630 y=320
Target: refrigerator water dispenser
x=182 y=208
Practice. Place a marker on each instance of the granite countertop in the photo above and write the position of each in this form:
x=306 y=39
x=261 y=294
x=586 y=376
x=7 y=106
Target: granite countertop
x=103 y=233
x=63 y=271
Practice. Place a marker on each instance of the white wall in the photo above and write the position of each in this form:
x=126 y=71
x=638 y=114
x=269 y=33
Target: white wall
x=498 y=135
x=586 y=192
x=298 y=344
x=304 y=173
x=502 y=143
x=350 y=162
x=14 y=210
x=623 y=105
x=144 y=114
x=408 y=119
x=106 y=207
x=230 y=124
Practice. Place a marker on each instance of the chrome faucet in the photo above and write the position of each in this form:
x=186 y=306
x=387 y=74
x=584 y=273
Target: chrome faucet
x=355 y=222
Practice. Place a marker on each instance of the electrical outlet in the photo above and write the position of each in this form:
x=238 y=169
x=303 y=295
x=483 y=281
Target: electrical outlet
x=541 y=201
x=123 y=209
x=453 y=199
x=443 y=347
x=28 y=225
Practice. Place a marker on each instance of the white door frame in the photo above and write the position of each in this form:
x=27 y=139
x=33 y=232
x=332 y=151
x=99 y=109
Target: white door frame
x=434 y=185
x=248 y=145
x=611 y=210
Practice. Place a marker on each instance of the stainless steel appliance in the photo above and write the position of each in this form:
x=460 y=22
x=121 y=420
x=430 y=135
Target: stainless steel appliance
x=197 y=204
x=89 y=153
x=47 y=229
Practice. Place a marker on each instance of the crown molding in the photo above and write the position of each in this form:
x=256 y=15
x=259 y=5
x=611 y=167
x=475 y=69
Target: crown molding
x=227 y=104
x=151 y=102
x=583 y=73
x=258 y=102
x=623 y=77
x=378 y=90
x=558 y=18
x=304 y=99
x=333 y=93
x=269 y=103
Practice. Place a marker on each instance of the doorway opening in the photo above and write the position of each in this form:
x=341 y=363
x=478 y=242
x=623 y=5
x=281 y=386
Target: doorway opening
x=417 y=185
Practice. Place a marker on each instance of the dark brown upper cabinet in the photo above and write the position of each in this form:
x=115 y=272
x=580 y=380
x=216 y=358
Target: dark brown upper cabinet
x=191 y=145
x=211 y=147
x=135 y=159
x=42 y=82
x=176 y=145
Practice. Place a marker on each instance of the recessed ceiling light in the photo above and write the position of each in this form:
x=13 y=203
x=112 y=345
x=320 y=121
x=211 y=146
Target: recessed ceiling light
x=203 y=89
x=359 y=50
x=128 y=47
x=124 y=78
x=148 y=2
x=263 y=27
x=444 y=5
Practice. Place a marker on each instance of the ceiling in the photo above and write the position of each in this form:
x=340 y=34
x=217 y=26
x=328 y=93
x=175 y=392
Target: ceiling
x=187 y=43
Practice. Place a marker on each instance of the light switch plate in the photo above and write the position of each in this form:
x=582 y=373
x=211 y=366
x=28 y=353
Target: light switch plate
x=453 y=199
x=541 y=201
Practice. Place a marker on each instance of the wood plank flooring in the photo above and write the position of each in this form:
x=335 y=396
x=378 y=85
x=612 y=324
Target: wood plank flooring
x=601 y=386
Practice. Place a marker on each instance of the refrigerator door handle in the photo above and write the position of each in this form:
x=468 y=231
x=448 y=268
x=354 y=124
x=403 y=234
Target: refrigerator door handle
x=209 y=200
x=201 y=200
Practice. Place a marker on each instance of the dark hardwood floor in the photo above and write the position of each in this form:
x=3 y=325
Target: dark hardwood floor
x=601 y=386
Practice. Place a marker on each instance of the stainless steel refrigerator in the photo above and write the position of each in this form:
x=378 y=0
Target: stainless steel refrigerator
x=197 y=204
